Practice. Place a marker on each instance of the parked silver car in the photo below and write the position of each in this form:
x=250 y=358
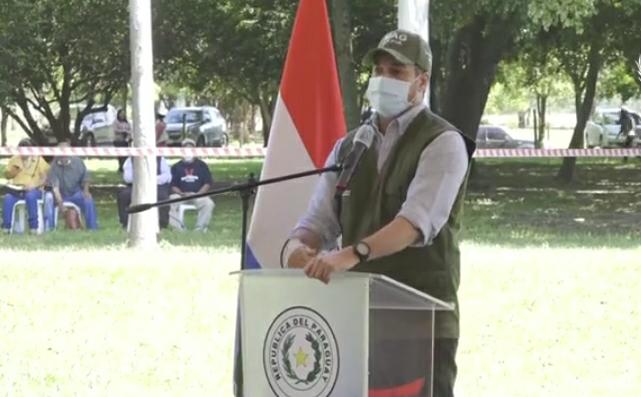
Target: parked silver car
x=97 y=129
x=492 y=137
x=204 y=124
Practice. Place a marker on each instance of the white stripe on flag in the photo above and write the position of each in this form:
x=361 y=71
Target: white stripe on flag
x=279 y=206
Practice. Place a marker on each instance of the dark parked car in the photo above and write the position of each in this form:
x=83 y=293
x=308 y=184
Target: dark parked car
x=492 y=137
x=204 y=124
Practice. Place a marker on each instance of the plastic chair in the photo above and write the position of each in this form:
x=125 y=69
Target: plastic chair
x=182 y=208
x=68 y=204
x=19 y=217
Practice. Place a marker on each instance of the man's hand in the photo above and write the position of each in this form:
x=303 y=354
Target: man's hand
x=87 y=194
x=322 y=266
x=301 y=257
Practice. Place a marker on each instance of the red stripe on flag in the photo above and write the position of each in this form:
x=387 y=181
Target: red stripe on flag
x=412 y=389
x=309 y=87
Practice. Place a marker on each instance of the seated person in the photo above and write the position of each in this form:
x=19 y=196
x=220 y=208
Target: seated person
x=69 y=179
x=189 y=176
x=163 y=179
x=26 y=176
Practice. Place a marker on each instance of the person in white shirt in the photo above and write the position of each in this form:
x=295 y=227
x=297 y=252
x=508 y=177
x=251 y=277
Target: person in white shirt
x=163 y=180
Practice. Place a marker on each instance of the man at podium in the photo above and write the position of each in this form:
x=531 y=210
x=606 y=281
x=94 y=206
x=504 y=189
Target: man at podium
x=399 y=212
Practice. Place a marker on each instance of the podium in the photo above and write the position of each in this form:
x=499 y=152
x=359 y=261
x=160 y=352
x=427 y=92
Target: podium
x=362 y=334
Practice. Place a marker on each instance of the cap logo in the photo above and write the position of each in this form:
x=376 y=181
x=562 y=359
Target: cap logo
x=397 y=38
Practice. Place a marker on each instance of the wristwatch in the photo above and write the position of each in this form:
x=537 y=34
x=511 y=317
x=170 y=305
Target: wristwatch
x=362 y=250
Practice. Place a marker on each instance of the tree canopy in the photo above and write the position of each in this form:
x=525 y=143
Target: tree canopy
x=55 y=54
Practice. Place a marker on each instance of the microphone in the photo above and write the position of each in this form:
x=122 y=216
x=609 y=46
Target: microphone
x=139 y=208
x=362 y=141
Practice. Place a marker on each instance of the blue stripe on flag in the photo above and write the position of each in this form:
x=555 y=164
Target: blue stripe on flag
x=250 y=259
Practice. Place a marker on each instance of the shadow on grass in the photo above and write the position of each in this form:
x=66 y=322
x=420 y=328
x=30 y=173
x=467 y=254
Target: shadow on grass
x=521 y=205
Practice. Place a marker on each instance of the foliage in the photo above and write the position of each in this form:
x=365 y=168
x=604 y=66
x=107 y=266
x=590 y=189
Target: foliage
x=619 y=81
x=55 y=54
x=240 y=45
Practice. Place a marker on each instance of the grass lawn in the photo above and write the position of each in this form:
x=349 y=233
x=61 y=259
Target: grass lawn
x=548 y=305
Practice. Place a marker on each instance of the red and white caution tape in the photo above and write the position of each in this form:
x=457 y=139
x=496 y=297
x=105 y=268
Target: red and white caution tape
x=525 y=153
x=260 y=152
x=135 y=151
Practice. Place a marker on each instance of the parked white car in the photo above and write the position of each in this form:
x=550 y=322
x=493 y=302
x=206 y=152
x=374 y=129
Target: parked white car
x=602 y=130
x=97 y=129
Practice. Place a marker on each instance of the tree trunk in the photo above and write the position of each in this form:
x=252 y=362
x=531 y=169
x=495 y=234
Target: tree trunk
x=266 y=116
x=341 y=24
x=473 y=58
x=541 y=108
x=125 y=95
x=535 y=123
x=436 y=78
x=251 y=124
x=567 y=172
x=144 y=225
x=3 y=126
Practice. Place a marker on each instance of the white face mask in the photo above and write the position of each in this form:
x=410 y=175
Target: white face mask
x=388 y=96
x=189 y=159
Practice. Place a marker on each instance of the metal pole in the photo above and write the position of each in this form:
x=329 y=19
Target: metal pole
x=144 y=225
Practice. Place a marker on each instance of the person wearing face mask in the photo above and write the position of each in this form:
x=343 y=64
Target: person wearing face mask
x=401 y=211
x=26 y=176
x=190 y=176
x=69 y=179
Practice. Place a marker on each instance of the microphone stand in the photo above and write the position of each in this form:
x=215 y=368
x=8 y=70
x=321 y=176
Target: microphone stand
x=246 y=190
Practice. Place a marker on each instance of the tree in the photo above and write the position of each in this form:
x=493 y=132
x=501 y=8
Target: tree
x=619 y=80
x=341 y=18
x=55 y=54
x=540 y=73
x=599 y=39
x=470 y=39
x=241 y=44
x=358 y=27
x=4 y=118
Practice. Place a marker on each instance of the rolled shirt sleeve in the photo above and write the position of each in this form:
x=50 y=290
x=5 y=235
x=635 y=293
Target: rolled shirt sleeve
x=439 y=175
x=320 y=216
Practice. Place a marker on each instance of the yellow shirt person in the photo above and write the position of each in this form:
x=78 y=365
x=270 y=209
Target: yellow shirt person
x=28 y=172
x=25 y=176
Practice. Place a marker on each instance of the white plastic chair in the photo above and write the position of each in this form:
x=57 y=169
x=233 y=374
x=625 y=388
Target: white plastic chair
x=182 y=208
x=19 y=217
x=68 y=204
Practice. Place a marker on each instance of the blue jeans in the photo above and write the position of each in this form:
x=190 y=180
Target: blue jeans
x=31 y=198
x=87 y=206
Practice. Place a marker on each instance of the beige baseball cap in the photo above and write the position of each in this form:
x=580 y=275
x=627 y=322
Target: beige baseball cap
x=406 y=47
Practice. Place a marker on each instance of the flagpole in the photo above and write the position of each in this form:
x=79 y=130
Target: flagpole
x=413 y=15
